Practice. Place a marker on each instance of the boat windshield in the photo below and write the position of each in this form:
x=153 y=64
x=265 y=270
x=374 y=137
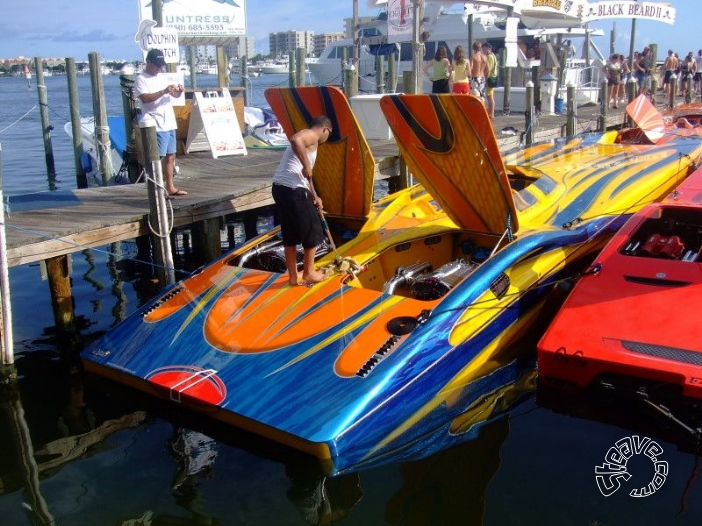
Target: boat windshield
x=338 y=52
x=533 y=193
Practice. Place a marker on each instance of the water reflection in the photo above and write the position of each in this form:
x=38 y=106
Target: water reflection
x=451 y=484
x=75 y=435
x=324 y=500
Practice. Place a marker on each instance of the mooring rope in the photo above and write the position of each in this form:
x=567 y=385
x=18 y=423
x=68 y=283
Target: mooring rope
x=18 y=120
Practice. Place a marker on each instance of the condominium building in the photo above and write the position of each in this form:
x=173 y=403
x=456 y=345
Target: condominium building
x=243 y=47
x=286 y=42
x=323 y=40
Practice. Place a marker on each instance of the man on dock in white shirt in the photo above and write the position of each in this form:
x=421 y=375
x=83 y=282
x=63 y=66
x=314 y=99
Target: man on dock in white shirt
x=154 y=94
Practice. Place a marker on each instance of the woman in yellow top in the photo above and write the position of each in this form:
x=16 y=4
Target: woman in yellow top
x=461 y=69
x=441 y=71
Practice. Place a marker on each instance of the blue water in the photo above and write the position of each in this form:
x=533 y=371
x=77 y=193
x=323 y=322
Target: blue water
x=534 y=466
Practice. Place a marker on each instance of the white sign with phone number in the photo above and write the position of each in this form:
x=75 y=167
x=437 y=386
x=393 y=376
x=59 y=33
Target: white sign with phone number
x=200 y=18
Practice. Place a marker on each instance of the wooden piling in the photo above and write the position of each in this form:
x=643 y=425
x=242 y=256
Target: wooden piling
x=59 y=276
x=570 y=111
x=192 y=64
x=126 y=82
x=45 y=124
x=537 y=87
x=102 y=131
x=604 y=107
x=344 y=65
x=404 y=179
x=673 y=90
x=207 y=244
x=380 y=74
x=6 y=340
x=291 y=70
x=244 y=78
x=507 y=100
x=529 y=114
x=157 y=203
x=350 y=82
x=300 y=66
x=72 y=78
x=407 y=82
x=392 y=74
x=222 y=67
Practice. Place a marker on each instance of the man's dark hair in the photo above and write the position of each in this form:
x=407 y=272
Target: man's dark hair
x=321 y=122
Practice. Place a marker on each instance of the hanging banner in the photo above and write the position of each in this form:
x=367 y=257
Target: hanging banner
x=646 y=10
x=400 y=20
x=201 y=18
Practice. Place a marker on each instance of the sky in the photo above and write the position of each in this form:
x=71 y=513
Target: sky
x=74 y=28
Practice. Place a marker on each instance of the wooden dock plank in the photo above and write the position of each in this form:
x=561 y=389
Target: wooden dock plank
x=216 y=187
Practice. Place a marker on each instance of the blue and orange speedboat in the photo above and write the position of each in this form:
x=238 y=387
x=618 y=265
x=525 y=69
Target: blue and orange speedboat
x=407 y=344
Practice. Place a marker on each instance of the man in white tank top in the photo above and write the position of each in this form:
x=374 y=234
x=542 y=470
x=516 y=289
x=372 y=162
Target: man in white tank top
x=298 y=203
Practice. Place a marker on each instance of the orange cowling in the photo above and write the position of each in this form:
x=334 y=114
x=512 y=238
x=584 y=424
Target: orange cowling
x=256 y=314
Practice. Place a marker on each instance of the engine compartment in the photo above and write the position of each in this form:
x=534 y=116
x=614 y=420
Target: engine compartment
x=675 y=234
x=425 y=268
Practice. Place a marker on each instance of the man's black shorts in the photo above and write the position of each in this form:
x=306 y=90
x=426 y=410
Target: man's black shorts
x=299 y=219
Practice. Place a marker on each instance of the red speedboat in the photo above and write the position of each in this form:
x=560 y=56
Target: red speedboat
x=634 y=320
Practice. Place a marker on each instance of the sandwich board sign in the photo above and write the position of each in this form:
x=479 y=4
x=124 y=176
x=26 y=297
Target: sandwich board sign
x=213 y=125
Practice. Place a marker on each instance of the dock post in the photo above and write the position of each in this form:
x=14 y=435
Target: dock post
x=102 y=131
x=604 y=106
x=654 y=89
x=537 y=88
x=673 y=89
x=529 y=114
x=350 y=82
x=126 y=82
x=379 y=74
x=207 y=244
x=392 y=74
x=404 y=179
x=407 y=82
x=222 y=67
x=71 y=76
x=300 y=66
x=157 y=202
x=58 y=272
x=6 y=342
x=570 y=118
x=244 y=78
x=507 y=83
x=291 y=69
x=631 y=89
x=344 y=65
x=192 y=64
x=45 y=124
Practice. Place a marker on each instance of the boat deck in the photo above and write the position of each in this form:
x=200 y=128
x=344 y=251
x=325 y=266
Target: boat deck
x=51 y=224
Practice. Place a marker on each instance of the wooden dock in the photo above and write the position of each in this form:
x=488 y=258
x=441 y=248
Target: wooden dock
x=52 y=224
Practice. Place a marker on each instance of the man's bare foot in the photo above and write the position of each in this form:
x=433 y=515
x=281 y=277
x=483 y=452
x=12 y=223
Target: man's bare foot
x=314 y=277
x=295 y=280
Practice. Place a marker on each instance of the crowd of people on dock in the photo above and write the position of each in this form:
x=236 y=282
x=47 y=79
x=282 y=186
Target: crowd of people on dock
x=476 y=74
x=685 y=76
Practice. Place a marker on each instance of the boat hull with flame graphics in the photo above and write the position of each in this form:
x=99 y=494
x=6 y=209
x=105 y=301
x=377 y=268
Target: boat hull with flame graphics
x=395 y=352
